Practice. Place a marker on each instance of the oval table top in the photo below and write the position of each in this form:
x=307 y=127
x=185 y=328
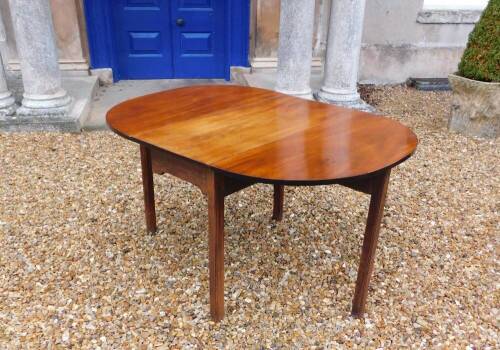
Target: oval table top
x=262 y=134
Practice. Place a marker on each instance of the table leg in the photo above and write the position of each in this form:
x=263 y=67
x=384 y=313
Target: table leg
x=279 y=195
x=148 y=186
x=216 y=244
x=375 y=213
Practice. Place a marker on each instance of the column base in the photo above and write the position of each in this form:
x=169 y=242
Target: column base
x=7 y=105
x=43 y=113
x=65 y=118
x=45 y=105
x=308 y=95
x=352 y=101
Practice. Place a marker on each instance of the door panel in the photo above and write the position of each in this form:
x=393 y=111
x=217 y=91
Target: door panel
x=143 y=39
x=199 y=41
x=195 y=4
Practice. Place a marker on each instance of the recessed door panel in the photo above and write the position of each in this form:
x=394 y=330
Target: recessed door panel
x=185 y=4
x=145 y=44
x=193 y=44
x=143 y=3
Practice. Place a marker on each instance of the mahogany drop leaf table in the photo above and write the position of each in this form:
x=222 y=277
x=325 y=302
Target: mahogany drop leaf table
x=225 y=138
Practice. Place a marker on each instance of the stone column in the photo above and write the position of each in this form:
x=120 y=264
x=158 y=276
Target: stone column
x=295 y=47
x=37 y=50
x=7 y=102
x=342 y=55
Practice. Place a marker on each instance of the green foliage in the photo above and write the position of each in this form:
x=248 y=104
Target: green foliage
x=481 y=58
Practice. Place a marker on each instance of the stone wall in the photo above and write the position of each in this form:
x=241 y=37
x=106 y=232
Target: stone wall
x=397 y=46
x=70 y=31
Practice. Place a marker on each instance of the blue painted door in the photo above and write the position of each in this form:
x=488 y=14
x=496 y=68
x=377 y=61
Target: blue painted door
x=199 y=41
x=143 y=39
x=170 y=38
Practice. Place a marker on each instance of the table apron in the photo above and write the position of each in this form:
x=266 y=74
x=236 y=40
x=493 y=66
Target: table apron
x=193 y=172
x=198 y=174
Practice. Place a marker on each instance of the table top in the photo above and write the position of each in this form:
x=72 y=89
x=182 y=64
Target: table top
x=262 y=134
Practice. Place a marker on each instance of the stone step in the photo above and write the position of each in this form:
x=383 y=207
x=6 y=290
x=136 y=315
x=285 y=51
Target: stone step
x=82 y=91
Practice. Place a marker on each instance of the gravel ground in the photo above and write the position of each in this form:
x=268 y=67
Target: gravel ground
x=78 y=270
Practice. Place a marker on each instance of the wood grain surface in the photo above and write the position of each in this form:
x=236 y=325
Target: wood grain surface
x=264 y=135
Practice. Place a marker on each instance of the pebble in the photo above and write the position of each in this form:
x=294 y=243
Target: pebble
x=77 y=268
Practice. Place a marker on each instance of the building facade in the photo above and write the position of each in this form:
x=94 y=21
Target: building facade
x=202 y=38
x=43 y=42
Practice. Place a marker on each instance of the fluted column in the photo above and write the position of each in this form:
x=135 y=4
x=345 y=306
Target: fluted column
x=295 y=47
x=342 y=55
x=37 y=50
x=7 y=102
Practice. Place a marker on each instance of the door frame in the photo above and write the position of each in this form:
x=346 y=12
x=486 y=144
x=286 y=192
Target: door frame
x=102 y=46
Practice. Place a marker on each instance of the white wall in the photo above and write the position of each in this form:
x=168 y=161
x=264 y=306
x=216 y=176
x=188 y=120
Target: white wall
x=455 y=4
x=396 y=46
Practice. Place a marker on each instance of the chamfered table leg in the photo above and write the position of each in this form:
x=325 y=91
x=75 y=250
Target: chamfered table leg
x=148 y=186
x=216 y=244
x=279 y=195
x=375 y=213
